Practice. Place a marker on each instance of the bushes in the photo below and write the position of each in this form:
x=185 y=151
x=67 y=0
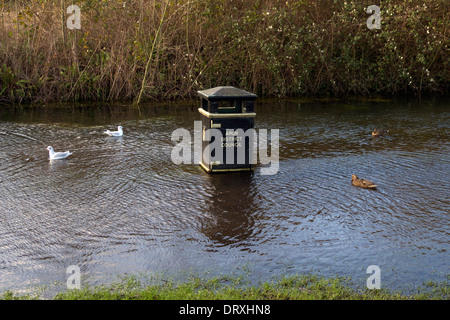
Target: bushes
x=270 y=47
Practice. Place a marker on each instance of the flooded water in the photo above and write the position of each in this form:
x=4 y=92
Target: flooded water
x=121 y=206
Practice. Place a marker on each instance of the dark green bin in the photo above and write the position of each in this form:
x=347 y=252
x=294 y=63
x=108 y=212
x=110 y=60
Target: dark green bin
x=231 y=111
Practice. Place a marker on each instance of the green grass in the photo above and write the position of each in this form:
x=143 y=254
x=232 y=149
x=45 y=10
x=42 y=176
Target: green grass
x=299 y=287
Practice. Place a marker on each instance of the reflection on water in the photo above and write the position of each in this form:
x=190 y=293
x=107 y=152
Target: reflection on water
x=230 y=207
x=119 y=205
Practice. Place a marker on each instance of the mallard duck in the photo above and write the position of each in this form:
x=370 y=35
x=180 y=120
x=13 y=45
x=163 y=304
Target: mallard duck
x=379 y=132
x=363 y=183
x=57 y=155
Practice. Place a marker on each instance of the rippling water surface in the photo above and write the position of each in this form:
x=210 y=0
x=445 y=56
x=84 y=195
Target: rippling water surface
x=120 y=206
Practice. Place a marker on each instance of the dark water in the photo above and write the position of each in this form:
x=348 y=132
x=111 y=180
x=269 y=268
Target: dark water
x=121 y=206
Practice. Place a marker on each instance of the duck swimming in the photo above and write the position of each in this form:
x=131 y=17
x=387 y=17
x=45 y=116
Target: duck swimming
x=57 y=155
x=379 y=132
x=363 y=183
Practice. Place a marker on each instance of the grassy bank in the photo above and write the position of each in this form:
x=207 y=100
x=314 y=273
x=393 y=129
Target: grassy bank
x=168 y=49
x=306 y=287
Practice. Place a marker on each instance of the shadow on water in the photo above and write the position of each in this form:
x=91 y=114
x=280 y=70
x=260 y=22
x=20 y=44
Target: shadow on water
x=119 y=206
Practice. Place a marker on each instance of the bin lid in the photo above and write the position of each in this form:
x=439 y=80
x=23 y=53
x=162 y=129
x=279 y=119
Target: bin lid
x=226 y=92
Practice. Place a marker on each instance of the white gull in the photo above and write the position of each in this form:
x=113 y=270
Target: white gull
x=57 y=155
x=117 y=133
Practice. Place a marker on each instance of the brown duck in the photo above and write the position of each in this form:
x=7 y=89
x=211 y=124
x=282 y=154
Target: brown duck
x=379 y=132
x=363 y=183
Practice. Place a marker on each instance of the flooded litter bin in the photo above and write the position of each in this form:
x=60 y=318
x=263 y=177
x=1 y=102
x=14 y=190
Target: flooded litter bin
x=228 y=116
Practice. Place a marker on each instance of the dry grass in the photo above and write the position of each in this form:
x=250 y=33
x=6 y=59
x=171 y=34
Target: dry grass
x=270 y=47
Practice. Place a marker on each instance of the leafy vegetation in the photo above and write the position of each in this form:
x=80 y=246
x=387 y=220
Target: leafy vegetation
x=168 y=49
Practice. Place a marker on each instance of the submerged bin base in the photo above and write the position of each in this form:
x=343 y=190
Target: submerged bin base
x=212 y=170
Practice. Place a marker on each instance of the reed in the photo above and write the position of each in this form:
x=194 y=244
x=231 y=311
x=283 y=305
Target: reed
x=169 y=49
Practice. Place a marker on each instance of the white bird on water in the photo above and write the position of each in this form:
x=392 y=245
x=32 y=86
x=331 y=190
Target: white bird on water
x=117 y=133
x=57 y=155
